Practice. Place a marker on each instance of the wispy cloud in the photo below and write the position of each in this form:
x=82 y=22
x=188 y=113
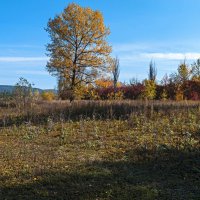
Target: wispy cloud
x=171 y=56
x=21 y=46
x=32 y=72
x=136 y=54
x=136 y=59
x=156 y=47
x=22 y=59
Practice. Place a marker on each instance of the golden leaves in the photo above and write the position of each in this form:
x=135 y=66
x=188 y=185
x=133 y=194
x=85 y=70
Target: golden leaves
x=78 y=41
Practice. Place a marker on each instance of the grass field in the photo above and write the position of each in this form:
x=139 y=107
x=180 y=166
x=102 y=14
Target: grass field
x=101 y=150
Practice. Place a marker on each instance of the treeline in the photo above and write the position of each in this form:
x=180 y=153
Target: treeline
x=181 y=85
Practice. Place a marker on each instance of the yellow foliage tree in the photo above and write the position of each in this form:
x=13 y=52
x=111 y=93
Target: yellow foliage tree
x=179 y=95
x=48 y=96
x=105 y=83
x=116 y=95
x=164 y=95
x=78 y=51
x=150 y=89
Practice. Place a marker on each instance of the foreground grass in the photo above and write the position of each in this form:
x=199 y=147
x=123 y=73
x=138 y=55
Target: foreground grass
x=134 y=158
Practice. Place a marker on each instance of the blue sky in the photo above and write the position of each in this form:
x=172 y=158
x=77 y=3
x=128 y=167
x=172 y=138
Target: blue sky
x=166 y=31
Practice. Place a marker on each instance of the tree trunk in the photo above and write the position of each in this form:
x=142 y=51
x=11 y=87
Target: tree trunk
x=72 y=96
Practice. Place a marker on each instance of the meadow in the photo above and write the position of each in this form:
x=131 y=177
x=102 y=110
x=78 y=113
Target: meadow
x=101 y=150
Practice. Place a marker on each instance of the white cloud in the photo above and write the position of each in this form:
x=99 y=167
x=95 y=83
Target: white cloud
x=162 y=51
x=21 y=46
x=131 y=59
x=32 y=72
x=138 y=55
x=171 y=56
x=22 y=59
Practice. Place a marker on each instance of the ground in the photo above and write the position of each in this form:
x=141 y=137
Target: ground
x=152 y=155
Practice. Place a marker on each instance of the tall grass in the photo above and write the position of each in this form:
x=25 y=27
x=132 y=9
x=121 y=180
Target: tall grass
x=76 y=110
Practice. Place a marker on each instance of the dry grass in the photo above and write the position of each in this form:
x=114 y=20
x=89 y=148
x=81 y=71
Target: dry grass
x=152 y=155
x=77 y=110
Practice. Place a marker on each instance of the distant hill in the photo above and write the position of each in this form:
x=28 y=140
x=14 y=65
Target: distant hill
x=6 y=88
x=10 y=89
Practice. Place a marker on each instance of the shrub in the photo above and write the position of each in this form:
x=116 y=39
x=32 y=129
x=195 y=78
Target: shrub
x=150 y=89
x=48 y=96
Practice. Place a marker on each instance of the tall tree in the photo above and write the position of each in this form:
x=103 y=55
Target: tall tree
x=183 y=72
x=179 y=79
x=150 y=89
x=115 y=72
x=196 y=70
x=182 y=75
x=152 y=71
x=78 y=51
x=23 y=94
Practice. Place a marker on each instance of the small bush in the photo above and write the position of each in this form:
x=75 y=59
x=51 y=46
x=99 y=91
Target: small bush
x=48 y=96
